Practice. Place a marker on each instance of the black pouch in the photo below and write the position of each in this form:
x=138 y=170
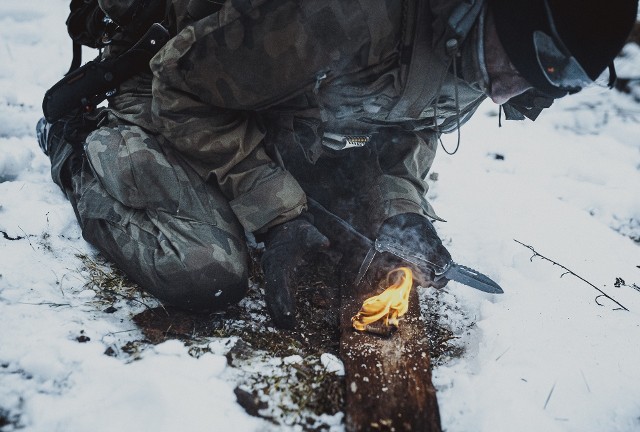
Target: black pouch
x=529 y=104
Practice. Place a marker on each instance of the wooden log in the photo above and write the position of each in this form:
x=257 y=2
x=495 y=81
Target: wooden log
x=388 y=379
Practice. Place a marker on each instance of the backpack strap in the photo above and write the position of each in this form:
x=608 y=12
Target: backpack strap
x=419 y=55
x=76 y=61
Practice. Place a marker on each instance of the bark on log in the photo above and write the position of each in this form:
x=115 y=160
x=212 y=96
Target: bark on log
x=388 y=380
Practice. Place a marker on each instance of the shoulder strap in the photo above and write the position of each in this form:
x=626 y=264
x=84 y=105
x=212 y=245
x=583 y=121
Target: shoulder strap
x=76 y=61
x=424 y=58
x=420 y=58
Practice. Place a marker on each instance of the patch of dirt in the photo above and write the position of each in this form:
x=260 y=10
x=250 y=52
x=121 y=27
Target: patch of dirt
x=441 y=338
x=7 y=419
x=163 y=323
x=299 y=391
x=293 y=393
x=317 y=308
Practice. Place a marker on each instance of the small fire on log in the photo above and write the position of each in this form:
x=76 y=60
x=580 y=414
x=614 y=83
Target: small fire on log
x=380 y=314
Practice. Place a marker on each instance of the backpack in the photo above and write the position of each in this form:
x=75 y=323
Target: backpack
x=86 y=25
x=89 y=25
x=84 y=87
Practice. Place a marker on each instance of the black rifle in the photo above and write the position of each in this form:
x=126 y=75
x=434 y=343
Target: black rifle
x=87 y=86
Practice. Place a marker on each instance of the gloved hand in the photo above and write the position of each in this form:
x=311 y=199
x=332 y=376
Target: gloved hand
x=285 y=248
x=416 y=235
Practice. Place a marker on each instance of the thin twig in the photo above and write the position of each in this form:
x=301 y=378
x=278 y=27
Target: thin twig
x=500 y=356
x=585 y=381
x=602 y=293
x=549 y=396
x=121 y=331
x=44 y=303
x=27 y=237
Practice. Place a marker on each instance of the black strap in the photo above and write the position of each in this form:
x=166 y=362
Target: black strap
x=463 y=17
x=613 y=75
x=421 y=58
x=77 y=57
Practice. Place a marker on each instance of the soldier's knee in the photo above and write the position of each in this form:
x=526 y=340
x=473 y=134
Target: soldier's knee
x=199 y=278
x=205 y=286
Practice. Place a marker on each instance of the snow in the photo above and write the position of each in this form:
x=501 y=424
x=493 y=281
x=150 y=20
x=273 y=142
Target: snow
x=545 y=356
x=332 y=364
x=549 y=354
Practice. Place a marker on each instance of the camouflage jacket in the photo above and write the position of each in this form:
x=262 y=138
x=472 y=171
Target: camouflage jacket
x=324 y=71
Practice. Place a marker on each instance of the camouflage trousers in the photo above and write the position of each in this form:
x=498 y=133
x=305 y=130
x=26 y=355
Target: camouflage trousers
x=171 y=232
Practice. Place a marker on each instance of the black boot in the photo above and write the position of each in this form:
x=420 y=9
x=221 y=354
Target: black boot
x=63 y=142
x=42 y=132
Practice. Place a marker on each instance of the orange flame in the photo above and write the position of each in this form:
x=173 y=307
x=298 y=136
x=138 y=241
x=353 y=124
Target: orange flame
x=390 y=305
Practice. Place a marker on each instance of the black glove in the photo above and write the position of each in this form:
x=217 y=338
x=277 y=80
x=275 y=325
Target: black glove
x=415 y=234
x=285 y=248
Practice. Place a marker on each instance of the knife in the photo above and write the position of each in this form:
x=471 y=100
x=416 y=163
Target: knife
x=452 y=271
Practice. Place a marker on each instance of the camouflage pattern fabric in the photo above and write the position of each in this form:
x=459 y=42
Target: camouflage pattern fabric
x=146 y=209
x=151 y=214
x=227 y=88
x=229 y=134
x=227 y=148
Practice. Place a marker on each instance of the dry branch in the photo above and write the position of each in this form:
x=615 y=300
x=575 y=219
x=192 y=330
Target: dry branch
x=567 y=271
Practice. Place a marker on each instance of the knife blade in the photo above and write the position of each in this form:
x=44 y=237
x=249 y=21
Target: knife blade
x=470 y=277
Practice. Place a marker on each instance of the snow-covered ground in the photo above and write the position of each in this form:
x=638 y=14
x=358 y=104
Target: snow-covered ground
x=550 y=354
